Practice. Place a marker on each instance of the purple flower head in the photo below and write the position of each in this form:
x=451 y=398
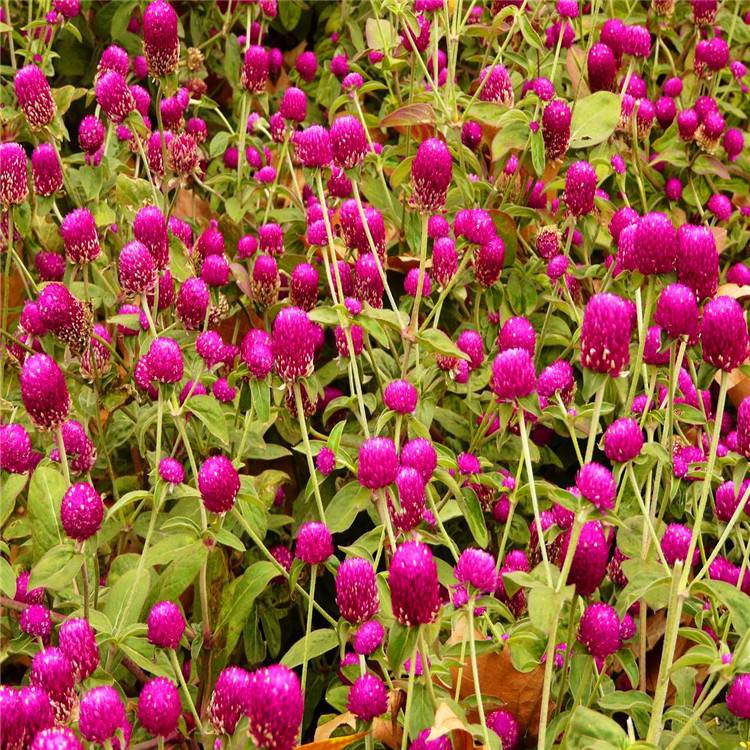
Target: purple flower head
x=348 y=142
x=411 y=283
x=599 y=630
x=314 y=543
x=580 y=185
x=368 y=638
x=517 y=333
x=150 y=229
x=665 y=110
x=114 y=96
x=655 y=244
x=192 y=303
x=164 y=360
x=423 y=743
x=471 y=344
x=431 y=173
x=420 y=454
x=159 y=707
x=734 y=143
x=724 y=333
x=78 y=643
x=677 y=312
x=215 y=270
x=378 y=462
x=35 y=709
x=411 y=494
x=45 y=170
x=556 y=128
x=476 y=568
x=165 y=625
x=496 y=86
x=675 y=544
x=15 y=448
x=590 y=558
x=35 y=96
x=114 y=58
x=488 y=262
x=605 y=335
x=56 y=738
x=81 y=511
x=210 y=348
x=161 y=45
x=413 y=570
x=623 y=440
x=171 y=470
x=720 y=206
x=303 y=286
x=51 y=266
x=368 y=697
x=687 y=123
x=23 y=595
x=738 y=697
x=313 y=146
x=601 y=67
x=325 y=461
x=223 y=392
x=14 y=180
x=636 y=41
x=36 y=622
x=506 y=727
x=356 y=590
x=306 y=65
x=673 y=192
x=229 y=699
x=293 y=104
x=293 y=344
x=400 y=396
x=597 y=485
x=102 y=713
x=274 y=708
x=556 y=378
x=513 y=375
x=52 y=672
x=137 y=271
x=79 y=236
x=218 y=483
x=44 y=392
x=471 y=134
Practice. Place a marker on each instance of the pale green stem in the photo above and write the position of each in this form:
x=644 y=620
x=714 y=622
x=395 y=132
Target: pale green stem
x=409 y=695
x=181 y=679
x=308 y=450
x=308 y=626
x=594 y=425
x=475 y=673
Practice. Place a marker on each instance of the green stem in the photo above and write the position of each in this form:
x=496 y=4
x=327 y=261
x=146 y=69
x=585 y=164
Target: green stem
x=475 y=672
x=308 y=626
x=181 y=679
x=63 y=455
x=409 y=695
x=643 y=330
x=413 y=324
x=594 y=425
x=308 y=449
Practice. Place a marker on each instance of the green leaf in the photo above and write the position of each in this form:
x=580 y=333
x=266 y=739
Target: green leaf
x=126 y=598
x=401 y=641
x=319 y=642
x=209 y=411
x=545 y=602
x=380 y=34
x=56 y=569
x=180 y=573
x=436 y=341
x=45 y=495
x=289 y=15
x=410 y=114
x=512 y=134
x=537 y=152
x=588 y=729
x=130 y=191
x=11 y=487
x=179 y=263
x=260 y=394
x=127 y=499
x=472 y=511
x=7 y=578
x=736 y=601
x=347 y=503
x=594 y=119
x=238 y=599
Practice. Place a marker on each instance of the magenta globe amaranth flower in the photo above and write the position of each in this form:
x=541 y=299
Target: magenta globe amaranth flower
x=52 y=671
x=150 y=228
x=697 y=260
x=46 y=171
x=314 y=543
x=14 y=178
x=513 y=375
x=496 y=86
x=476 y=568
x=590 y=558
x=78 y=643
x=303 y=286
x=293 y=344
x=101 y=714
x=36 y=622
x=56 y=738
x=599 y=630
x=488 y=262
x=738 y=697
x=580 y=186
x=556 y=129
x=306 y=65
x=15 y=448
x=137 y=271
x=431 y=174
x=412 y=579
x=114 y=96
x=506 y=727
x=677 y=312
x=356 y=590
x=675 y=544
x=255 y=67
x=229 y=699
x=421 y=455
x=724 y=333
x=400 y=396
x=655 y=244
x=218 y=483
x=164 y=360
x=605 y=334
x=623 y=440
x=36 y=710
x=517 y=333
x=313 y=146
x=601 y=67
x=165 y=625
x=378 y=462
x=79 y=236
x=35 y=97
x=161 y=45
x=368 y=638
x=368 y=697
x=159 y=707
x=597 y=485
x=274 y=708
x=44 y=392
x=81 y=511
x=348 y=142
x=293 y=104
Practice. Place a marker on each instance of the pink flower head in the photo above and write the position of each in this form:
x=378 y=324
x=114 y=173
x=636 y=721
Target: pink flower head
x=164 y=360
x=306 y=65
x=101 y=714
x=218 y=483
x=556 y=378
x=505 y=725
x=348 y=142
x=52 y=672
x=556 y=128
x=488 y=262
x=400 y=396
x=159 y=707
x=513 y=375
x=675 y=544
x=605 y=335
x=255 y=68
x=44 y=392
x=35 y=96
x=601 y=67
x=368 y=638
x=413 y=581
x=623 y=440
x=599 y=630
x=517 y=333
x=15 y=448
x=229 y=699
x=738 y=697
x=313 y=146
x=293 y=104
x=378 y=462
x=724 y=333
x=14 y=178
x=303 y=286
x=677 y=312
x=597 y=485
x=655 y=244
x=431 y=173
x=46 y=172
x=314 y=543
x=114 y=96
x=293 y=344
x=165 y=625
x=161 y=45
x=56 y=738
x=81 y=511
x=590 y=558
x=78 y=643
x=274 y=708
x=356 y=590
x=420 y=454
x=150 y=228
x=36 y=622
x=368 y=697
x=496 y=86
x=476 y=568
x=580 y=185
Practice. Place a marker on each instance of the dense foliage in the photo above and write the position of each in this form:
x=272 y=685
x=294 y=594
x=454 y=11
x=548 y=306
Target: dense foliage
x=373 y=374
